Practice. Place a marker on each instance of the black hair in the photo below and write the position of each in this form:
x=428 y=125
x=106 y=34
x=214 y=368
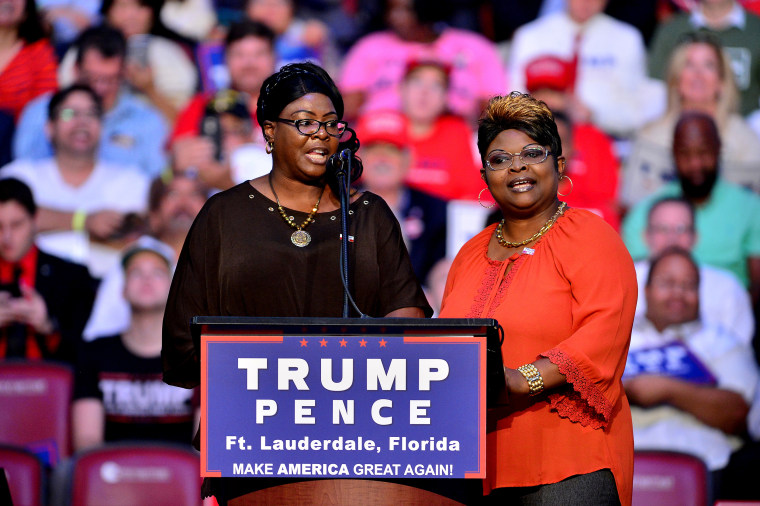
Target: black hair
x=248 y=28
x=31 y=29
x=431 y=11
x=12 y=189
x=106 y=40
x=60 y=96
x=519 y=111
x=292 y=82
x=669 y=252
x=672 y=200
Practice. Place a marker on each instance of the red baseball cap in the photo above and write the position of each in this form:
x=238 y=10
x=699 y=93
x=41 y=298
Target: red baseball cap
x=383 y=127
x=549 y=72
x=416 y=63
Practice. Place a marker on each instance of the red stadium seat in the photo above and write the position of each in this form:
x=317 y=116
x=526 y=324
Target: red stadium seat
x=26 y=475
x=36 y=407
x=131 y=474
x=667 y=478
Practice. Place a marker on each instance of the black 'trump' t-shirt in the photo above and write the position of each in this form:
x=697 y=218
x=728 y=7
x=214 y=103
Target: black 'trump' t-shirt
x=138 y=404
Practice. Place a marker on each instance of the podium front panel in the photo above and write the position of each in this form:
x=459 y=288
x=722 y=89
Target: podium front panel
x=343 y=398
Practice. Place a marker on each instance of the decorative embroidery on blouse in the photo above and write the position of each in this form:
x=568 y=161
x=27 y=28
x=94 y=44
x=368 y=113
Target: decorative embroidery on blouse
x=505 y=285
x=489 y=278
x=585 y=403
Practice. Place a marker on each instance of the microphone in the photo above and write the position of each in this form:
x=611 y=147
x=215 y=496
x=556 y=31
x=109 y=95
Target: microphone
x=337 y=165
x=342 y=168
x=343 y=163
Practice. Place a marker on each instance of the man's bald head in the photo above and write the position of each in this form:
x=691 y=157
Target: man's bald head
x=696 y=151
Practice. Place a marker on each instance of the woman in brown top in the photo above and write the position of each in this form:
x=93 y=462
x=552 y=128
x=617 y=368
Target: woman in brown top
x=270 y=246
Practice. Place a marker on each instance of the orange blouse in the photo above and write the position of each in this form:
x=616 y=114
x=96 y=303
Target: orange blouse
x=572 y=301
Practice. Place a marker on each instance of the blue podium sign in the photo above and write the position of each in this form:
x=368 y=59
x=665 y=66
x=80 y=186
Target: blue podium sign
x=333 y=406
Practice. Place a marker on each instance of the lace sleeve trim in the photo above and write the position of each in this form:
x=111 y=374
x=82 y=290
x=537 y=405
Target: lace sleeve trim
x=582 y=401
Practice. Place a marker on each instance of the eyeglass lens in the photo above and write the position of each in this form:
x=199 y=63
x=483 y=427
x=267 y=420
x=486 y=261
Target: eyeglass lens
x=311 y=126
x=68 y=114
x=531 y=155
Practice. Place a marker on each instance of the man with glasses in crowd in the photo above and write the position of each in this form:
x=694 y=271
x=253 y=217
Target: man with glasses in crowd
x=722 y=298
x=133 y=132
x=690 y=382
x=88 y=208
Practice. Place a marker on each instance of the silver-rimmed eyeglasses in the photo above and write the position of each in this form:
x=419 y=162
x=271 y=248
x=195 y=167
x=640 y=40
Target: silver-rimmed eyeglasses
x=530 y=155
x=334 y=128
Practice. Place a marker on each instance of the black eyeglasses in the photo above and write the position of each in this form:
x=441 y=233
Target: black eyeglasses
x=500 y=160
x=334 y=128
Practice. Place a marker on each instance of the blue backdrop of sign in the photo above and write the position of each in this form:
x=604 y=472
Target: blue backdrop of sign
x=343 y=406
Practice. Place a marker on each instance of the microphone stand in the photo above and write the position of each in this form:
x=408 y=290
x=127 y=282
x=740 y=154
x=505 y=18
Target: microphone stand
x=342 y=175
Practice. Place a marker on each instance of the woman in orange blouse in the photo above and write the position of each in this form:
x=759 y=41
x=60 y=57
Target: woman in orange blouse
x=562 y=285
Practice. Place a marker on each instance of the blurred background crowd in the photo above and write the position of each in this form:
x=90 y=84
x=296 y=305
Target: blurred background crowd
x=118 y=118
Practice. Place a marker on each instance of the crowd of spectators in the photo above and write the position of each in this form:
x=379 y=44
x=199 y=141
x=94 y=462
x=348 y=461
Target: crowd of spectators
x=118 y=118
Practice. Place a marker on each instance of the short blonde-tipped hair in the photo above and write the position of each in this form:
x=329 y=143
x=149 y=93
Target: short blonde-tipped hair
x=518 y=111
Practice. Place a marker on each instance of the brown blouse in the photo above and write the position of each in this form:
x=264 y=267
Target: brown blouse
x=238 y=260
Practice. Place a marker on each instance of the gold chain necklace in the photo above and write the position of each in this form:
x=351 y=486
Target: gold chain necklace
x=300 y=237
x=544 y=229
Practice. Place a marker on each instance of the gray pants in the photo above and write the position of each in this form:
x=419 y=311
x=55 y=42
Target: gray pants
x=592 y=489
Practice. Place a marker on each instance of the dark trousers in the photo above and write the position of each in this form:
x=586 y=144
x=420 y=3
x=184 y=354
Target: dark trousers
x=592 y=489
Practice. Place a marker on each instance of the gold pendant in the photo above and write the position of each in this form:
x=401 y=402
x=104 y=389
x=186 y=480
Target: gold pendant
x=300 y=238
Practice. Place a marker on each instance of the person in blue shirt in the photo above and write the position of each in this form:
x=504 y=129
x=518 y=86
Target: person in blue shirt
x=133 y=133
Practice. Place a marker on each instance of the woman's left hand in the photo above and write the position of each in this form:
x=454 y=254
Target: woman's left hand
x=517 y=391
x=517 y=385
x=515 y=397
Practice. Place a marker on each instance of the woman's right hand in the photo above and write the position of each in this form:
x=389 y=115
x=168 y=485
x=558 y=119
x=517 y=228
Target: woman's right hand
x=516 y=384
x=515 y=397
x=518 y=391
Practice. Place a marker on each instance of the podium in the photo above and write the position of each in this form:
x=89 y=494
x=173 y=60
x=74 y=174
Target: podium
x=346 y=410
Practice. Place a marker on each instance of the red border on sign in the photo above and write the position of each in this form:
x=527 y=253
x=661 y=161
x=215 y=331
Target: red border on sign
x=407 y=339
x=205 y=339
x=481 y=472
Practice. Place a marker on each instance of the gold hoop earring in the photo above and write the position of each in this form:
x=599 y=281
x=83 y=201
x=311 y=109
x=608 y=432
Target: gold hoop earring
x=571 y=186
x=481 y=203
x=269 y=147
